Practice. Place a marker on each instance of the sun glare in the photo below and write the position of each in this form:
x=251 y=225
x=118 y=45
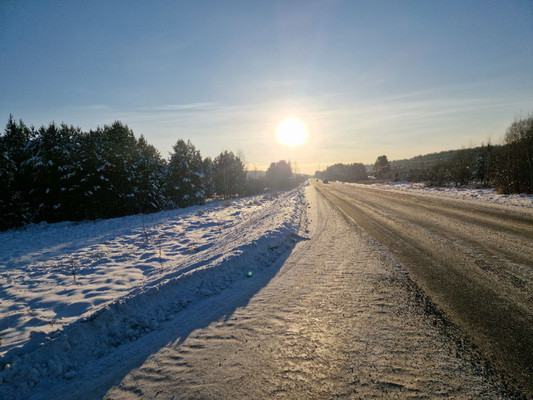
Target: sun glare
x=291 y=132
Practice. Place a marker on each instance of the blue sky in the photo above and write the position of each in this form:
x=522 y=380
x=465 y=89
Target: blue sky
x=400 y=78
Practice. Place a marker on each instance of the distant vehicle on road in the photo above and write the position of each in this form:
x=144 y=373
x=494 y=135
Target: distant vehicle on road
x=325 y=181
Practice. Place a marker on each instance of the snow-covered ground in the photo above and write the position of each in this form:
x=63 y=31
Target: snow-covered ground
x=464 y=193
x=71 y=292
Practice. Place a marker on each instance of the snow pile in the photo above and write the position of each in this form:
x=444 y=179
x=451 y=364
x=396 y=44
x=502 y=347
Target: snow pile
x=464 y=193
x=73 y=292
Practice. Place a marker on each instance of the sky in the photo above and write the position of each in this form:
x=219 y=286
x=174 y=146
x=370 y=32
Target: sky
x=400 y=78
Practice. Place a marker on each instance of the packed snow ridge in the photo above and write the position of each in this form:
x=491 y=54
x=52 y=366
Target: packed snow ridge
x=469 y=193
x=72 y=292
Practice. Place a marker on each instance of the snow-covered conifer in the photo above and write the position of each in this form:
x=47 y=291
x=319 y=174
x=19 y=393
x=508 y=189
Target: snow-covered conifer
x=230 y=175
x=185 y=175
x=55 y=167
x=15 y=179
x=148 y=172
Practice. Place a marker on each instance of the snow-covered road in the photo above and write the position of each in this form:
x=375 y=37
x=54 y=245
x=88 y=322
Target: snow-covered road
x=340 y=319
x=473 y=258
x=263 y=297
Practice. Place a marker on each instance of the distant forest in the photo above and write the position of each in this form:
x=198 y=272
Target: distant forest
x=507 y=167
x=60 y=173
x=344 y=172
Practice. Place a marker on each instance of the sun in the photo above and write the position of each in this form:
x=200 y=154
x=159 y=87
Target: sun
x=291 y=132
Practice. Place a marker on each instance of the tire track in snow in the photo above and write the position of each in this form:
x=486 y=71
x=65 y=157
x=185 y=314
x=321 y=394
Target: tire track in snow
x=451 y=252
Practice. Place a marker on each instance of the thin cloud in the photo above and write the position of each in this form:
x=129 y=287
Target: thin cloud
x=185 y=107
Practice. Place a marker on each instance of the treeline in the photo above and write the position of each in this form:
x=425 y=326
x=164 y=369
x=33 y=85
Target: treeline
x=343 y=172
x=424 y=161
x=58 y=172
x=507 y=167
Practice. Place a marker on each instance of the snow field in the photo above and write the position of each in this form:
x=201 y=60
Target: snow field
x=73 y=292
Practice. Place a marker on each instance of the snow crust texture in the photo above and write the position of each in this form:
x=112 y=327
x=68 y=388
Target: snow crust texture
x=71 y=293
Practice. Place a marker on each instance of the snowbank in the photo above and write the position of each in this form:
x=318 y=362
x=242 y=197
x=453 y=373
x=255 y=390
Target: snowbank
x=464 y=193
x=73 y=292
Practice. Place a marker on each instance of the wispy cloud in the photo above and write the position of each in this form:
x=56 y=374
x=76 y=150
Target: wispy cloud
x=183 y=107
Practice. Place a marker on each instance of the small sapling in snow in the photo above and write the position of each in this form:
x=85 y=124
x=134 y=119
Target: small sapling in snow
x=159 y=245
x=73 y=269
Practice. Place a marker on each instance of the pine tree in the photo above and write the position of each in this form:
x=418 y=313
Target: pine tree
x=382 y=168
x=230 y=175
x=108 y=159
x=15 y=178
x=185 y=175
x=208 y=183
x=278 y=175
x=485 y=164
x=149 y=181
x=55 y=168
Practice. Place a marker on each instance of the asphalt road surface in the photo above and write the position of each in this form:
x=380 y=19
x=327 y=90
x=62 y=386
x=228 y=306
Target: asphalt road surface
x=474 y=260
x=340 y=317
